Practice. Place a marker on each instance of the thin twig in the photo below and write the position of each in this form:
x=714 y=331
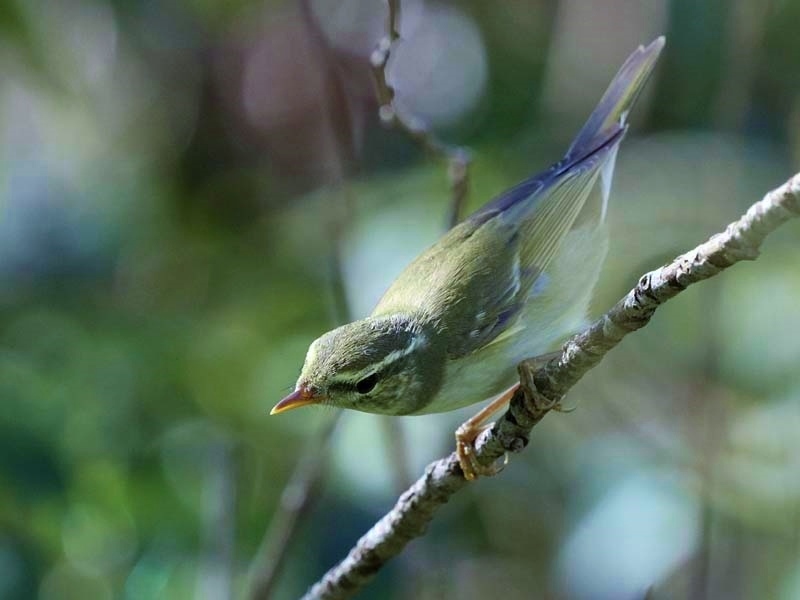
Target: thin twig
x=296 y=502
x=393 y=19
x=543 y=387
x=458 y=173
x=458 y=158
x=215 y=579
x=305 y=482
x=396 y=452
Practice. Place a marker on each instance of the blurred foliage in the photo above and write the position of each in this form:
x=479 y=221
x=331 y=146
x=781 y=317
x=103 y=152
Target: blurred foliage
x=172 y=175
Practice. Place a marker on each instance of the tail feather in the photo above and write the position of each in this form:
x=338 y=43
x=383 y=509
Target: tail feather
x=612 y=110
x=610 y=115
x=594 y=149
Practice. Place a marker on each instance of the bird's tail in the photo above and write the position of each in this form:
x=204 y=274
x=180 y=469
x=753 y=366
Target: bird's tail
x=612 y=111
x=607 y=124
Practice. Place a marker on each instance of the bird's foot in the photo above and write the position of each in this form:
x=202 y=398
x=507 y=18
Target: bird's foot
x=469 y=431
x=465 y=450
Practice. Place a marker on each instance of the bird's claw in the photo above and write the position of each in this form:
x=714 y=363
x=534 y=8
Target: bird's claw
x=559 y=407
x=467 y=459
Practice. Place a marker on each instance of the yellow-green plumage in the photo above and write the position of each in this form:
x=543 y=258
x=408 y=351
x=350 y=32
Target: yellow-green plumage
x=507 y=283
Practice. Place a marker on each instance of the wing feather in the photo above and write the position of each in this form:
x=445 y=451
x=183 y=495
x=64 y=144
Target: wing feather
x=534 y=243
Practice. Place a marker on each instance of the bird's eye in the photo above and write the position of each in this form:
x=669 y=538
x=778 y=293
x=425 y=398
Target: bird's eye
x=366 y=385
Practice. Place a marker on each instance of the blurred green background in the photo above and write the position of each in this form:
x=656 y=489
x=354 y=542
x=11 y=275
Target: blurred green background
x=174 y=177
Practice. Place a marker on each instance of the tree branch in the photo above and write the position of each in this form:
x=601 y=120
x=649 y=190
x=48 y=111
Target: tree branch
x=543 y=386
x=458 y=158
x=296 y=502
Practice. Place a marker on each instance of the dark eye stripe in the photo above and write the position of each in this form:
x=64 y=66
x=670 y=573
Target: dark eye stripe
x=353 y=386
x=342 y=386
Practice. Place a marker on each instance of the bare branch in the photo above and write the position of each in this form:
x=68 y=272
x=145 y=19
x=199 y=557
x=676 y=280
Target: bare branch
x=396 y=452
x=458 y=159
x=393 y=18
x=458 y=173
x=302 y=490
x=296 y=503
x=543 y=386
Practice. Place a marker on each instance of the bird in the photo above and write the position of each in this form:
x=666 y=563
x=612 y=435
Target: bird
x=508 y=283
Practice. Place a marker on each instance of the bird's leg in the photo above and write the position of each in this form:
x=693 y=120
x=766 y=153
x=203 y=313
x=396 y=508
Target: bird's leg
x=469 y=431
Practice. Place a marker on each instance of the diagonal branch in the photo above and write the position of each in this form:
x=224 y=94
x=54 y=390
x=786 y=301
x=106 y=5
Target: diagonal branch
x=543 y=386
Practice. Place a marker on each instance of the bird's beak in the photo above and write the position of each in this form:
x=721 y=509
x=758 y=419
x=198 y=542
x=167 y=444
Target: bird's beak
x=302 y=396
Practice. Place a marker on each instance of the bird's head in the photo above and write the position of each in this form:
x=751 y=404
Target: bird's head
x=378 y=365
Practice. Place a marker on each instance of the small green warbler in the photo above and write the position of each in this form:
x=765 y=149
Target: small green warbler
x=506 y=284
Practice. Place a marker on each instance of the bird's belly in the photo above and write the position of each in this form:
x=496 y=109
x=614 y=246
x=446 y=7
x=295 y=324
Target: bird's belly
x=482 y=374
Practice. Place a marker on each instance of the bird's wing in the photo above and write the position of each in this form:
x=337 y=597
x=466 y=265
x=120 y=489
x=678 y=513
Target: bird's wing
x=520 y=249
x=536 y=215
